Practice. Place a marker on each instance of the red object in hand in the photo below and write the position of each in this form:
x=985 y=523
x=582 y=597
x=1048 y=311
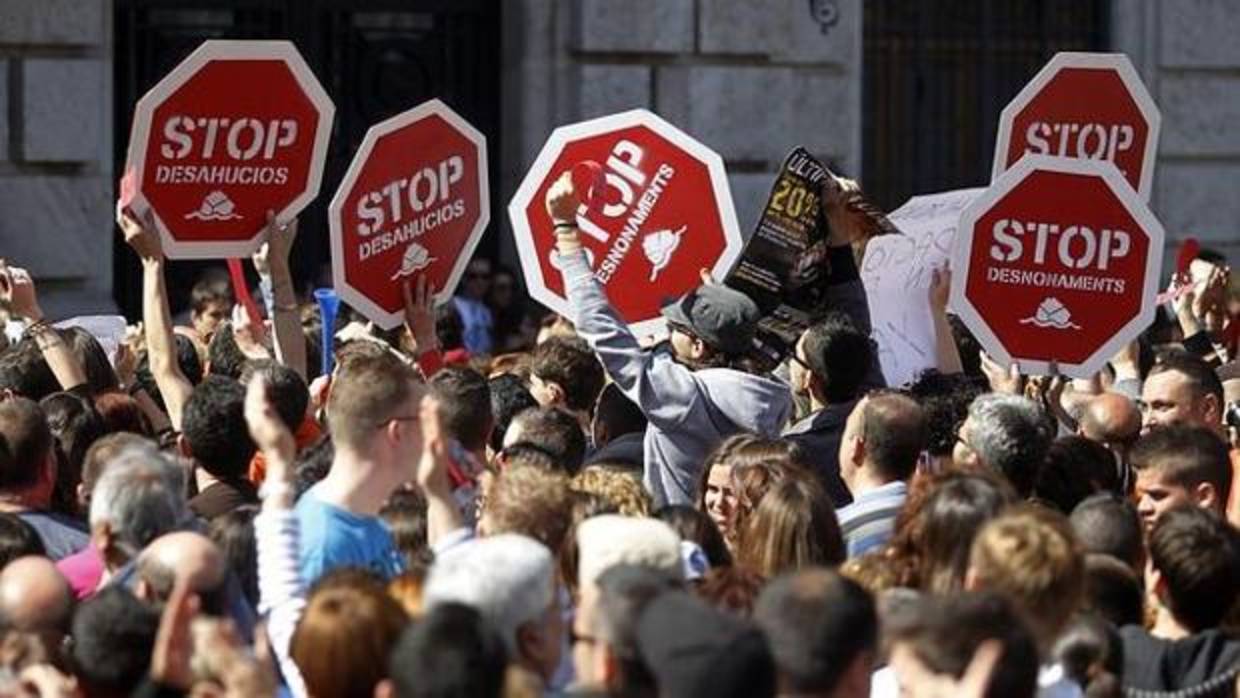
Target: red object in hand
x=588 y=181
x=1189 y=249
x=242 y=290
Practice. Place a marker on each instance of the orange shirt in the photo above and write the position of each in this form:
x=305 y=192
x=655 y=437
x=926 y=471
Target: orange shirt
x=306 y=434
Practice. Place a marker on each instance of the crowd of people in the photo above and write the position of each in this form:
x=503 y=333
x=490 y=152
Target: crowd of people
x=478 y=505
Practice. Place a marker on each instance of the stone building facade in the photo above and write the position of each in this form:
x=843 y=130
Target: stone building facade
x=750 y=79
x=56 y=148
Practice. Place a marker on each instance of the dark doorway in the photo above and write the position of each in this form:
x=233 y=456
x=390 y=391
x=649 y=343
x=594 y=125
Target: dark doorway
x=375 y=58
x=937 y=74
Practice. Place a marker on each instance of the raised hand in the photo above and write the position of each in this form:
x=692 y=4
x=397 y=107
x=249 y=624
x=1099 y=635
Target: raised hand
x=174 y=643
x=563 y=201
x=420 y=313
x=278 y=239
x=940 y=289
x=1002 y=379
x=141 y=235
x=432 y=472
x=18 y=292
x=269 y=432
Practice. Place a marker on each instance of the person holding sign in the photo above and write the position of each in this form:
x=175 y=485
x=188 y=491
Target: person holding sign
x=695 y=390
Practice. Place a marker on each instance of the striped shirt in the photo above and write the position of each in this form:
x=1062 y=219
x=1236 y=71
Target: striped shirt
x=869 y=521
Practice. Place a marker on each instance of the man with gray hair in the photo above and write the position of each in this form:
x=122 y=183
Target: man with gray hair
x=1008 y=434
x=605 y=654
x=511 y=580
x=139 y=497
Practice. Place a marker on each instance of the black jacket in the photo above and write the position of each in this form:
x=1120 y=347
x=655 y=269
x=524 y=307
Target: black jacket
x=1201 y=666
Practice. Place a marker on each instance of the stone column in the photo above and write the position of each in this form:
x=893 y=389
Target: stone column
x=56 y=149
x=1189 y=58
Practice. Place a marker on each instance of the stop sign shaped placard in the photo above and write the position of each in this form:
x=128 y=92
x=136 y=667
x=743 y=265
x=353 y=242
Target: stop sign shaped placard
x=1084 y=105
x=237 y=129
x=1057 y=261
x=659 y=210
x=414 y=203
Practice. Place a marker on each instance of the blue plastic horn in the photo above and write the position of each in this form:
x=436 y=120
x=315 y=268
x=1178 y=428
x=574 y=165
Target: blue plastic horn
x=329 y=305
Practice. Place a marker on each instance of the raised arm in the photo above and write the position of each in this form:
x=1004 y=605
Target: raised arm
x=946 y=355
x=17 y=288
x=271 y=261
x=663 y=389
x=156 y=317
x=282 y=596
x=443 y=515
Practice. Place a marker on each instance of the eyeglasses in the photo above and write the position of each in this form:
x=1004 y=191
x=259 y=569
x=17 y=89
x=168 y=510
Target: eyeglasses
x=794 y=358
x=961 y=440
x=574 y=637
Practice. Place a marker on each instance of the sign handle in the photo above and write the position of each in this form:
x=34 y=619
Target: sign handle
x=242 y=291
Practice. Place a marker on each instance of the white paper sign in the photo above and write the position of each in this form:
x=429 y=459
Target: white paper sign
x=108 y=329
x=896 y=272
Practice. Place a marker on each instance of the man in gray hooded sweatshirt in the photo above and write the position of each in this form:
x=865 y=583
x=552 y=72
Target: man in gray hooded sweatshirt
x=688 y=390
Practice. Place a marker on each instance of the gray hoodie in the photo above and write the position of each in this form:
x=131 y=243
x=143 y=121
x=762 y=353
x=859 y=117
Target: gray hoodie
x=689 y=411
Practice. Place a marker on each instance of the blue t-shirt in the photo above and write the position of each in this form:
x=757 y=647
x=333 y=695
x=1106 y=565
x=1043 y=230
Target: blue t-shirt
x=332 y=537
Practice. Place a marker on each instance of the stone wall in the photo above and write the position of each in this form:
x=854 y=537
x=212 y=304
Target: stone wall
x=1187 y=53
x=56 y=148
x=749 y=79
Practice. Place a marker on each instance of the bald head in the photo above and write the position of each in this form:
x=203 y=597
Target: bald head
x=34 y=597
x=181 y=555
x=1111 y=418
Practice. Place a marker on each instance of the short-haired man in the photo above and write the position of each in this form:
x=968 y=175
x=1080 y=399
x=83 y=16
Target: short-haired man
x=35 y=599
x=214 y=435
x=464 y=400
x=1108 y=524
x=565 y=373
x=882 y=440
x=1113 y=420
x=1182 y=389
x=605 y=654
x=139 y=497
x=1194 y=577
x=511 y=580
x=373 y=418
x=1180 y=465
x=830 y=364
x=28 y=477
x=211 y=302
x=449 y=651
x=1007 y=434
x=823 y=631
x=617 y=430
x=942 y=639
x=549 y=431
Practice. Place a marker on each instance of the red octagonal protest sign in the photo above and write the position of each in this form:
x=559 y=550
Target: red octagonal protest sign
x=237 y=129
x=659 y=210
x=1057 y=261
x=1084 y=105
x=414 y=203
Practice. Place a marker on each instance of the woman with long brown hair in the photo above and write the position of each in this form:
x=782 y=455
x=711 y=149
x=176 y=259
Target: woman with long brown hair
x=736 y=476
x=793 y=526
